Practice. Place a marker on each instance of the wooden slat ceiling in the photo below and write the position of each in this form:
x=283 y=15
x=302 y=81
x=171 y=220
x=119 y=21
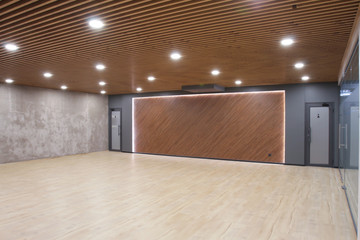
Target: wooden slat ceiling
x=240 y=38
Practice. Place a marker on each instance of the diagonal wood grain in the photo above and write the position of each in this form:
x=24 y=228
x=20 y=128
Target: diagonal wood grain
x=239 y=126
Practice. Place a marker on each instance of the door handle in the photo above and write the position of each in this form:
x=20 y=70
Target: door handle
x=309 y=134
x=339 y=136
x=346 y=137
x=118 y=130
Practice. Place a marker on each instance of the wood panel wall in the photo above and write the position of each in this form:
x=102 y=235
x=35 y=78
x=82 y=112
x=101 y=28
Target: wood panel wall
x=238 y=126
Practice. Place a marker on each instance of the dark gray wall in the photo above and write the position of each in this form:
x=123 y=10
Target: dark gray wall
x=297 y=95
x=125 y=103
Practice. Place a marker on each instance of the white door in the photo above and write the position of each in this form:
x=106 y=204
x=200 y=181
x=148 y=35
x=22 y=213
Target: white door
x=319 y=135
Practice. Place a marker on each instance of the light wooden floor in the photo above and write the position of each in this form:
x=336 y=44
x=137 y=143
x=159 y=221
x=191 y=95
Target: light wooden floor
x=111 y=195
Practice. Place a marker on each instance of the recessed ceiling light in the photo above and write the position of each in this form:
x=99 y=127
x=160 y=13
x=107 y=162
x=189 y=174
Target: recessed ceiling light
x=287 y=41
x=102 y=92
x=151 y=78
x=175 y=56
x=100 y=67
x=48 y=75
x=102 y=83
x=11 y=47
x=215 y=72
x=139 y=89
x=96 y=23
x=305 y=78
x=63 y=87
x=9 y=80
x=299 y=65
x=238 y=82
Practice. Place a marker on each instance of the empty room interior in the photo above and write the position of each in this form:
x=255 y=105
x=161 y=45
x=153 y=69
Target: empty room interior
x=187 y=119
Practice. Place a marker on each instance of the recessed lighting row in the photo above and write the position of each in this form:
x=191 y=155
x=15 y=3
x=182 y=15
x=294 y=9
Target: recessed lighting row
x=97 y=23
x=94 y=23
x=64 y=87
x=299 y=65
x=102 y=83
x=216 y=72
x=9 y=81
x=49 y=75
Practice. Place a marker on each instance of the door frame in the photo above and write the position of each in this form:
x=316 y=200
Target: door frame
x=110 y=126
x=331 y=132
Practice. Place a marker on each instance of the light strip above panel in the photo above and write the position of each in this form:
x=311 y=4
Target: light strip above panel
x=211 y=94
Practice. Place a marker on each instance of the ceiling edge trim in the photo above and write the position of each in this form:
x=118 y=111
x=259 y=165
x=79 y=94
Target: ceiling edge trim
x=353 y=38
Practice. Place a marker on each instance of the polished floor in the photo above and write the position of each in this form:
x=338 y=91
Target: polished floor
x=112 y=195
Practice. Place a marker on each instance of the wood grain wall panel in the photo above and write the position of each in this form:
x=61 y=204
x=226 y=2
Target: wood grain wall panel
x=239 y=126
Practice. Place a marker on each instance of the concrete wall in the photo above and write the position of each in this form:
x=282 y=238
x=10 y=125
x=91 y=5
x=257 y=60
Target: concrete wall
x=41 y=123
x=297 y=95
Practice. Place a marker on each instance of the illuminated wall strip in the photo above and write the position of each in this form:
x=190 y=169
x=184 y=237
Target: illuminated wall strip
x=284 y=127
x=211 y=94
x=133 y=125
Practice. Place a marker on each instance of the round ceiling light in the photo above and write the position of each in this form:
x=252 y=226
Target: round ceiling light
x=9 y=80
x=175 y=56
x=48 y=75
x=215 y=72
x=238 y=82
x=287 y=42
x=96 y=23
x=305 y=78
x=100 y=66
x=11 y=47
x=151 y=78
x=299 y=65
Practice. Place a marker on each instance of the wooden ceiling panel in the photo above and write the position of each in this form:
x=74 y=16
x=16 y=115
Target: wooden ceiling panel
x=240 y=38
